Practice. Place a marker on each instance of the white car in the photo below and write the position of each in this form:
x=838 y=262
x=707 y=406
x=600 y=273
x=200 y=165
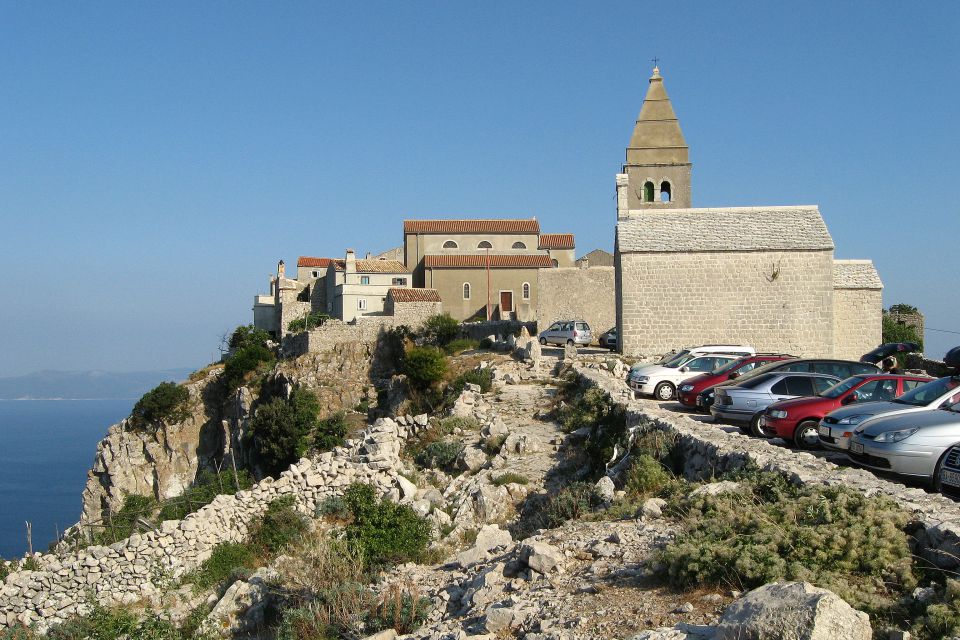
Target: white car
x=661 y=381
x=680 y=358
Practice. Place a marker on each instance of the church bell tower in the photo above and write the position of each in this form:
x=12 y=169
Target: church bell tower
x=658 y=159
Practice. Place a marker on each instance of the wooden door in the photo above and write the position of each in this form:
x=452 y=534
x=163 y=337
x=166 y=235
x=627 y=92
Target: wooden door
x=506 y=303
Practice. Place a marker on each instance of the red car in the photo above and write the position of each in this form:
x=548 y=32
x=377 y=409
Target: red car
x=690 y=389
x=796 y=420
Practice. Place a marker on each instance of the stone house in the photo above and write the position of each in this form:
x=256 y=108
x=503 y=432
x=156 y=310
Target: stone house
x=474 y=264
x=764 y=276
x=412 y=306
x=596 y=258
x=359 y=287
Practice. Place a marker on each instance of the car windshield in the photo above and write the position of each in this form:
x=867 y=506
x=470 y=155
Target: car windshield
x=668 y=359
x=927 y=393
x=727 y=367
x=759 y=371
x=755 y=382
x=841 y=387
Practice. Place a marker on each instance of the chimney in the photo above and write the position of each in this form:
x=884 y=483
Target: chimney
x=281 y=270
x=369 y=255
x=350 y=263
x=584 y=263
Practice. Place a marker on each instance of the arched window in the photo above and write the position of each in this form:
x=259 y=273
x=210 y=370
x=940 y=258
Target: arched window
x=648 y=191
x=518 y=245
x=466 y=290
x=555 y=263
x=664 y=191
x=526 y=290
x=450 y=244
x=484 y=245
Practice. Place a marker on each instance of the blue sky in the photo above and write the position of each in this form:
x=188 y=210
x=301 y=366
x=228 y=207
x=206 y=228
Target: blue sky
x=157 y=159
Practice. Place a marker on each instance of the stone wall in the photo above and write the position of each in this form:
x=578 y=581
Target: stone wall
x=772 y=300
x=575 y=293
x=413 y=314
x=709 y=452
x=135 y=570
x=501 y=328
x=857 y=320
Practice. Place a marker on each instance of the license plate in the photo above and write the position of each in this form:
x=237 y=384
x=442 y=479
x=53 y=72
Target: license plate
x=824 y=431
x=950 y=477
x=856 y=447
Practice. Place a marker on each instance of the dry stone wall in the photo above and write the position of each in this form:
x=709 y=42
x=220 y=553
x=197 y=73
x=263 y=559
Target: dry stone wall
x=857 y=322
x=709 y=452
x=774 y=301
x=135 y=569
x=574 y=293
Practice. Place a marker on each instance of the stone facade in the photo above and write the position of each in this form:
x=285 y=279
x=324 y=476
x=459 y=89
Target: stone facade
x=596 y=258
x=857 y=308
x=450 y=282
x=772 y=300
x=577 y=293
x=412 y=307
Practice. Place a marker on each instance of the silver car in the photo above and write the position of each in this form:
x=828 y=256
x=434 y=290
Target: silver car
x=745 y=401
x=567 y=332
x=907 y=444
x=836 y=428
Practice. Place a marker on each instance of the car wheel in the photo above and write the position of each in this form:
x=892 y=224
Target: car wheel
x=935 y=480
x=807 y=435
x=543 y=341
x=663 y=391
x=756 y=429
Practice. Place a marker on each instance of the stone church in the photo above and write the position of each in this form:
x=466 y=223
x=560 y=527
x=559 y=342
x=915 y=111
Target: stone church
x=764 y=276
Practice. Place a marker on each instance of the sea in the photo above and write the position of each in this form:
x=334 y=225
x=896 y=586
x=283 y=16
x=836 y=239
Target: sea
x=46 y=449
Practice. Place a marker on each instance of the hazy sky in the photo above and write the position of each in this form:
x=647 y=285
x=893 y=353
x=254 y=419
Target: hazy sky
x=157 y=159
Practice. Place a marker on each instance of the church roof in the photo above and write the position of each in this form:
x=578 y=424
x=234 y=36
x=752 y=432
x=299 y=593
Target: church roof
x=373 y=266
x=472 y=226
x=414 y=295
x=657 y=138
x=798 y=228
x=513 y=261
x=855 y=274
x=556 y=241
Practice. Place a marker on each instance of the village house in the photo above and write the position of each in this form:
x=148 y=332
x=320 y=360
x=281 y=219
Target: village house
x=763 y=276
x=359 y=287
x=481 y=264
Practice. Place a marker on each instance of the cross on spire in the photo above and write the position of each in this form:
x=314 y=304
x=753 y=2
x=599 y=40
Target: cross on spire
x=656 y=62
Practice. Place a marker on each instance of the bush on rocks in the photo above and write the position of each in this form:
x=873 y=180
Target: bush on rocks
x=482 y=377
x=202 y=493
x=941 y=619
x=461 y=344
x=121 y=524
x=280 y=525
x=226 y=562
x=646 y=477
x=330 y=432
x=281 y=429
x=571 y=503
x=441 y=454
x=425 y=366
x=381 y=531
x=167 y=402
x=245 y=360
x=441 y=329
x=114 y=624
x=398 y=609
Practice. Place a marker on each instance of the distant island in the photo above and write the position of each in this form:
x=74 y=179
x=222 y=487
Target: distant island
x=86 y=385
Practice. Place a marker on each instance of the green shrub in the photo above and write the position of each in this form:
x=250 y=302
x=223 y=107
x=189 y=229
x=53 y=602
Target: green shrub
x=17 y=633
x=245 y=360
x=281 y=429
x=398 y=609
x=227 y=560
x=334 y=508
x=280 y=525
x=493 y=444
x=833 y=537
x=510 y=478
x=309 y=321
x=486 y=343
x=645 y=477
x=248 y=335
x=606 y=420
x=941 y=619
x=119 y=525
x=207 y=487
x=892 y=331
x=382 y=532
x=482 y=377
x=167 y=402
x=461 y=344
x=450 y=424
x=330 y=432
x=4 y=570
x=571 y=503
x=30 y=564
x=190 y=625
x=99 y=624
x=441 y=329
x=425 y=366
x=439 y=455
x=304 y=623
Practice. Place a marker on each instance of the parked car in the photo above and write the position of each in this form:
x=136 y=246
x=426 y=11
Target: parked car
x=797 y=421
x=839 y=368
x=911 y=444
x=679 y=358
x=836 y=428
x=661 y=382
x=567 y=332
x=745 y=401
x=689 y=391
x=950 y=473
x=608 y=339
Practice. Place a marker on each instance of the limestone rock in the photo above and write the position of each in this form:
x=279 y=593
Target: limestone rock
x=605 y=489
x=541 y=557
x=653 y=508
x=500 y=619
x=792 y=610
x=471 y=459
x=716 y=488
x=242 y=606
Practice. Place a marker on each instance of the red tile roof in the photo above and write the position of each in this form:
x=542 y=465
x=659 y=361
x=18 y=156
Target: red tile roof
x=556 y=241
x=472 y=226
x=519 y=261
x=414 y=295
x=374 y=266
x=307 y=261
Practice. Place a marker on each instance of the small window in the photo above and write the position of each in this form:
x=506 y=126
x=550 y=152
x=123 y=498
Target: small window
x=799 y=386
x=910 y=385
x=822 y=384
x=362 y=304
x=518 y=245
x=450 y=244
x=484 y=245
x=364 y=279
x=665 y=191
x=648 y=192
x=466 y=290
x=316 y=274
x=399 y=282
x=526 y=290
x=780 y=388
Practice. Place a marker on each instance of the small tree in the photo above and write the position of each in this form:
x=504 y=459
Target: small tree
x=166 y=401
x=425 y=366
x=441 y=329
x=248 y=335
x=894 y=331
x=244 y=360
x=330 y=432
x=281 y=429
x=903 y=308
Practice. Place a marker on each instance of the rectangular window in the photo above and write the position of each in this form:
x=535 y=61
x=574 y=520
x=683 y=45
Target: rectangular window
x=399 y=282
x=364 y=279
x=316 y=274
x=362 y=304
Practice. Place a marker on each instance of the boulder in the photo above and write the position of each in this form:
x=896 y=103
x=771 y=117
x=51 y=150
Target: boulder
x=541 y=557
x=471 y=459
x=500 y=619
x=653 y=508
x=716 y=488
x=408 y=490
x=792 y=610
x=534 y=352
x=489 y=537
x=605 y=489
x=242 y=606
x=494 y=428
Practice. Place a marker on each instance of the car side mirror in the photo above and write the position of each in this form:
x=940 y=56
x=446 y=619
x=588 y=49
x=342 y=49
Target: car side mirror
x=850 y=399
x=684 y=369
x=733 y=375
